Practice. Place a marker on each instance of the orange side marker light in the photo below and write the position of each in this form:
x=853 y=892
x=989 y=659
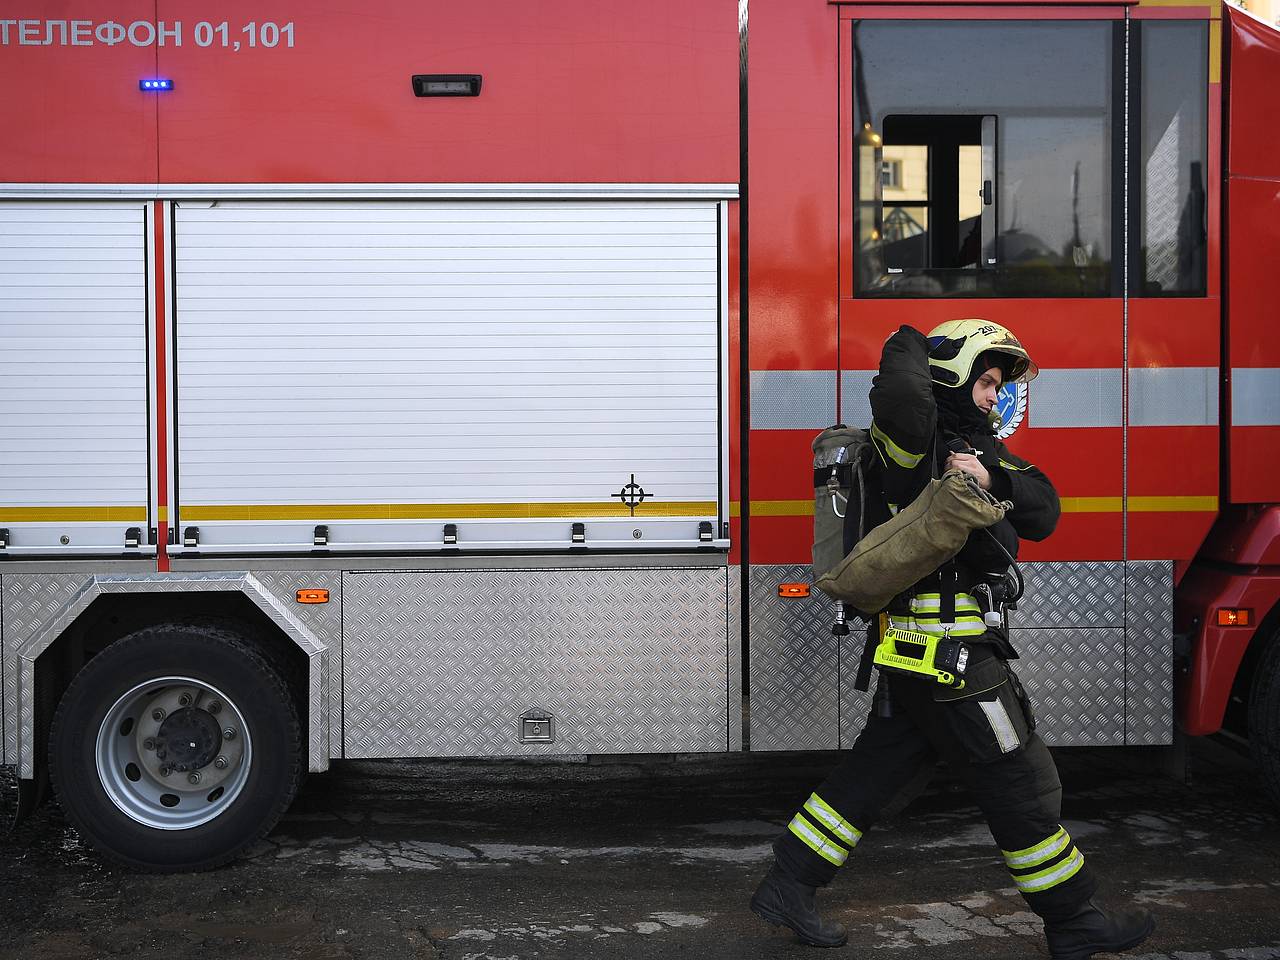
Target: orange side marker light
x=313 y=595
x=1234 y=616
x=793 y=591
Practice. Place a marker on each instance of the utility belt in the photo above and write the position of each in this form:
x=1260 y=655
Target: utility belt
x=913 y=638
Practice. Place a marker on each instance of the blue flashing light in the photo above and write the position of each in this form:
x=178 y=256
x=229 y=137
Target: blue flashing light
x=155 y=86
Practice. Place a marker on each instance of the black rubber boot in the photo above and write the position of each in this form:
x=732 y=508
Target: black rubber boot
x=1094 y=930
x=786 y=902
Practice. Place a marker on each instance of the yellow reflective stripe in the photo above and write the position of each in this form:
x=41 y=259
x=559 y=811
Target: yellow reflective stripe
x=104 y=514
x=1173 y=504
x=965 y=626
x=1051 y=876
x=442 y=511
x=937 y=598
x=933 y=606
x=780 y=508
x=816 y=842
x=899 y=456
x=1013 y=466
x=838 y=825
x=1040 y=852
x=1091 y=504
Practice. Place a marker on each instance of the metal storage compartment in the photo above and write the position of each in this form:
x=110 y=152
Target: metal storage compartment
x=404 y=373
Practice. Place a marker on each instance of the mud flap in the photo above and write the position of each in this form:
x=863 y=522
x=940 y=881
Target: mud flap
x=19 y=798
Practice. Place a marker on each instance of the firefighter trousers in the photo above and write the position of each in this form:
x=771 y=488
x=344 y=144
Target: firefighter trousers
x=986 y=733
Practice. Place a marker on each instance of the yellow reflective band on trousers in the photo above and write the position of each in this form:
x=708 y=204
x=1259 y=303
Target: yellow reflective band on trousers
x=899 y=456
x=1022 y=864
x=837 y=824
x=1051 y=876
x=815 y=841
x=1042 y=851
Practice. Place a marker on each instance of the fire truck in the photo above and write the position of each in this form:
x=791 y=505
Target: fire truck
x=437 y=380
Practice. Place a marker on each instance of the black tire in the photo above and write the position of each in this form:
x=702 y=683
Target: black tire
x=267 y=774
x=1264 y=716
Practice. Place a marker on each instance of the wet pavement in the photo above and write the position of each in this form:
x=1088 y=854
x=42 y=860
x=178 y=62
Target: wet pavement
x=651 y=857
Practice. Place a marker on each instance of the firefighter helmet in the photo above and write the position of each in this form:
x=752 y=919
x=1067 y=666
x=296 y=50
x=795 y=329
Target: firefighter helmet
x=955 y=346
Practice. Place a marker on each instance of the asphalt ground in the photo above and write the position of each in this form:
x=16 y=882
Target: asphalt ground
x=652 y=857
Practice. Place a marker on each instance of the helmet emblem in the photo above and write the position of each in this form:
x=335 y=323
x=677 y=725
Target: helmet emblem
x=1011 y=406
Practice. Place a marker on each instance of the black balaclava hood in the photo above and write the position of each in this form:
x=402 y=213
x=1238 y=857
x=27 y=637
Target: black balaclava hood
x=958 y=415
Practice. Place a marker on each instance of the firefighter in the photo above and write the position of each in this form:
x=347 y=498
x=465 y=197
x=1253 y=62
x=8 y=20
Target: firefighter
x=932 y=406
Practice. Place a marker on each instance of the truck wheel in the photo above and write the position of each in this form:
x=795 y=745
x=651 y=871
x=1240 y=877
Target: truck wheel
x=175 y=748
x=1264 y=716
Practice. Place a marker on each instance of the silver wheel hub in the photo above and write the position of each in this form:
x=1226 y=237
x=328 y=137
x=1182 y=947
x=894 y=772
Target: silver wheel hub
x=173 y=753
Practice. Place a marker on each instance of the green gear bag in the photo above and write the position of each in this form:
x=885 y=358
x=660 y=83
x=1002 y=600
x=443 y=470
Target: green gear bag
x=912 y=544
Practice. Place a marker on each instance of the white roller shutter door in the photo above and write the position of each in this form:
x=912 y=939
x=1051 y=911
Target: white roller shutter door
x=508 y=367
x=73 y=367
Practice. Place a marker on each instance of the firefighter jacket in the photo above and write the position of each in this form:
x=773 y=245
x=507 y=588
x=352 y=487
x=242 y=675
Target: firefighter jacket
x=911 y=446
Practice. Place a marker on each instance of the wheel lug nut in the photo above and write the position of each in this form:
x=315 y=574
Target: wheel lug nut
x=185 y=700
x=193 y=778
x=228 y=734
x=149 y=743
x=165 y=771
x=157 y=714
x=220 y=763
x=214 y=707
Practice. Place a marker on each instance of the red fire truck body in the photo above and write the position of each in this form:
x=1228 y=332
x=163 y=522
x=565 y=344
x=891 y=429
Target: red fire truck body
x=455 y=369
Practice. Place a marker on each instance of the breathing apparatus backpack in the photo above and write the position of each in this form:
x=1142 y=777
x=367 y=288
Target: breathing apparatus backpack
x=863 y=568
x=841 y=456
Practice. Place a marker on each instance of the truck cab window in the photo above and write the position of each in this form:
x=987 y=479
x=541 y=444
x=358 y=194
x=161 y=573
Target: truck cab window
x=931 y=215
x=984 y=176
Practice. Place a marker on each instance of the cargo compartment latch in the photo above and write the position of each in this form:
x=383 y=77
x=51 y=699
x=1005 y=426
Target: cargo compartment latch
x=537 y=727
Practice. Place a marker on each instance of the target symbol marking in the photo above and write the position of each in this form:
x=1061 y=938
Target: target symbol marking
x=632 y=495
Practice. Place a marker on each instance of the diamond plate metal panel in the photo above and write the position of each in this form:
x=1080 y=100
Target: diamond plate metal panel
x=1071 y=594
x=735 y=657
x=443 y=663
x=1149 y=653
x=1075 y=679
x=31 y=601
x=854 y=704
x=324 y=620
x=794 y=664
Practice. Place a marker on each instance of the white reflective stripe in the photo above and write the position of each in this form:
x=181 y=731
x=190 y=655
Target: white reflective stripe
x=819 y=844
x=1041 y=852
x=933 y=606
x=793 y=399
x=1001 y=725
x=1173 y=396
x=1255 y=396
x=836 y=823
x=965 y=626
x=1052 y=877
x=855 y=400
x=1087 y=397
